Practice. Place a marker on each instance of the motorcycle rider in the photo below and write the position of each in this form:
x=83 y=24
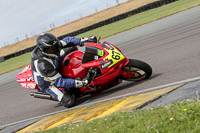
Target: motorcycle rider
x=45 y=61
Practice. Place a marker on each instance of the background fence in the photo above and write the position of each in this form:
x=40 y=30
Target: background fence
x=100 y=24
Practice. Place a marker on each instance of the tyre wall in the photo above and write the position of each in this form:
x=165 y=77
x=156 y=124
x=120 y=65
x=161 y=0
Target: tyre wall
x=101 y=23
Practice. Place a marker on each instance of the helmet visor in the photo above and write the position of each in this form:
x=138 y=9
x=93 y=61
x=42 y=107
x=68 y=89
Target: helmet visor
x=51 y=47
x=54 y=49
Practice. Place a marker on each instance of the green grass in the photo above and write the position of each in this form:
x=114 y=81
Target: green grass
x=182 y=117
x=142 y=18
x=114 y=28
x=15 y=63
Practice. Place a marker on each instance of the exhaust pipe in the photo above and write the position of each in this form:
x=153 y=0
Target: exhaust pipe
x=42 y=96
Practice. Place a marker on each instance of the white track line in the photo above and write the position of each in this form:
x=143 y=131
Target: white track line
x=121 y=96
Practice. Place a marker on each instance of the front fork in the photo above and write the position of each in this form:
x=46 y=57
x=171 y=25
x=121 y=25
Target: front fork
x=124 y=74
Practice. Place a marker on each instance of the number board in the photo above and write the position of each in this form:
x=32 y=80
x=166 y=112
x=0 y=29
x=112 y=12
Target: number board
x=114 y=56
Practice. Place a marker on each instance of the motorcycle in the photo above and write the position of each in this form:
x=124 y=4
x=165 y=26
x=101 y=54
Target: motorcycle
x=103 y=63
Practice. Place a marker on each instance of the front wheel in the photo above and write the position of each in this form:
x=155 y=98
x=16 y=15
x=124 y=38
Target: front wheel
x=139 y=69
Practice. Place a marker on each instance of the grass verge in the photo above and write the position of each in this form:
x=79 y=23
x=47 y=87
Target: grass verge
x=15 y=63
x=142 y=18
x=114 y=28
x=181 y=117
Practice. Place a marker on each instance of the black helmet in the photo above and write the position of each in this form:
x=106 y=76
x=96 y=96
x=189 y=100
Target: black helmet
x=48 y=43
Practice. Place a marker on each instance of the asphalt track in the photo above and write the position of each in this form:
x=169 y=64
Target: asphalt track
x=170 y=46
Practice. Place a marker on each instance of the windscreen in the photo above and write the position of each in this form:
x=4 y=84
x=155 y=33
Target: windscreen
x=91 y=54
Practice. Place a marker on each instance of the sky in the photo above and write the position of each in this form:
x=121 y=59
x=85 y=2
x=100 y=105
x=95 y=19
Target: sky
x=22 y=18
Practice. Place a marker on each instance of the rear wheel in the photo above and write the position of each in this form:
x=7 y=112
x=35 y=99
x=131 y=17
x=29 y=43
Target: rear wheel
x=68 y=99
x=139 y=69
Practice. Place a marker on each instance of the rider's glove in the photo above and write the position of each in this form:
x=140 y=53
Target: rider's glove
x=82 y=83
x=88 y=39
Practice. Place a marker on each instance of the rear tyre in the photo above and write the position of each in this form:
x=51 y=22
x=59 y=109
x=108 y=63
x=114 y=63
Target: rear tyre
x=68 y=100
x=139 y=69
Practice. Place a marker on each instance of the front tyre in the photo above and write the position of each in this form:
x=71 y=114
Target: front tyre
x=139 y=69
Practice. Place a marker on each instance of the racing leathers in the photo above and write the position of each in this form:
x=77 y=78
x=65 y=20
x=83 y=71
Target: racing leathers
x=46 y=69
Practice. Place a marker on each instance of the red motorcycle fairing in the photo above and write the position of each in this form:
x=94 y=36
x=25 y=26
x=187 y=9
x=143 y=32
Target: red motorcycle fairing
x=25 y=78
x=106 y=57
x=72 y=65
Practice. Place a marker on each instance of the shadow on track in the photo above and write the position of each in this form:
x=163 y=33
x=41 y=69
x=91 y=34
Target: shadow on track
x=123 y=86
